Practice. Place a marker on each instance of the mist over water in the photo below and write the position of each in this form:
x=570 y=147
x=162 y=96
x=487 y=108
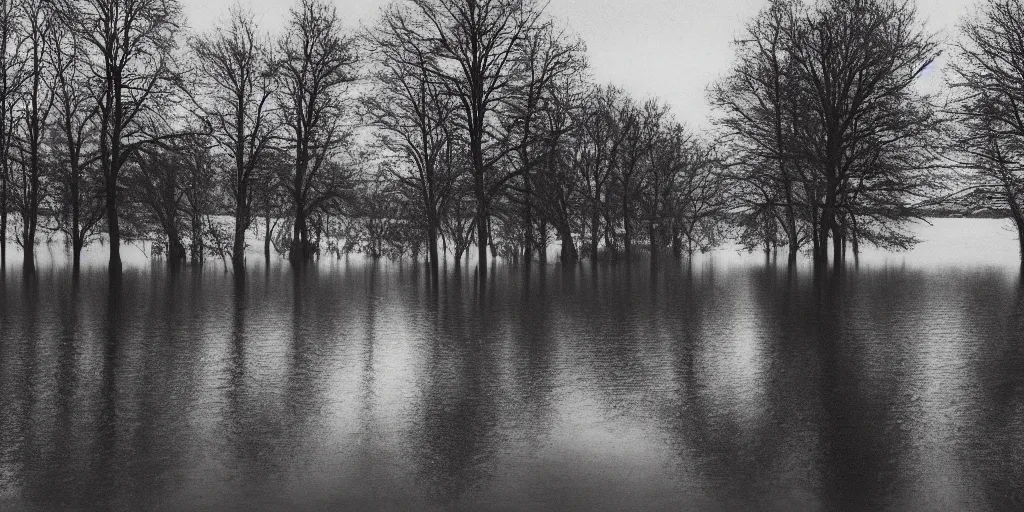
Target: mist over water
x=722 y=382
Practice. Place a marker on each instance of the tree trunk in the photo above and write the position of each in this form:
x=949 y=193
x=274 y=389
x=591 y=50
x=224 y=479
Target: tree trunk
x=791 y=231
x=238 y=247
x=815 y=243
x=837 y=244
x=627 y=235
x=677 y=240
x=653 y=235
x=29 y=263
x=76 y=240
x=569 y=254
x=482 y=223
x=432 y=248
x=3 y=203
x=30 y=215
x=267 y=238
x=1018 y=218
x=113 y=228
x=444 y=245
x=609 y=238
x=528 y=238
x=299 y=251
x=175 y=249
x=543 y=248
x=3 y=229
x=197 y=239
x=76 y=254
x=1020 y=238
x=828 y=223
x=490 y=239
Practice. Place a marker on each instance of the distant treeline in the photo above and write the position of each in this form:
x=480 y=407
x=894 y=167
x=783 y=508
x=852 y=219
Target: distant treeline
x=448 y=125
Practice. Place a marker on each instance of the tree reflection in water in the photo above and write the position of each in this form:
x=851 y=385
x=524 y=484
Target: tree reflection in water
x=364 y=385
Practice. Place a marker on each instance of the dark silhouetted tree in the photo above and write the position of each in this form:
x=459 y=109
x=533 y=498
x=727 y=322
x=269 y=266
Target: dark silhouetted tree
x=316 y=64
x=237 y=80
x=131 y=43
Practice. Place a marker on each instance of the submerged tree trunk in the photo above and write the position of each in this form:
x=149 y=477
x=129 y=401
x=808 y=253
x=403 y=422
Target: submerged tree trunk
x=828 y=224
x=543 y=247
x=609 y=238
x=300 y=248
x=113 y=228
x=76 y=240
x=30 y=214
x=482 y=222
x=529 y=236
x=432 y=255
x=76 y=254
x=1017 y=212
x=29 y=263
x=238 y=247
x=175 y=248
x=1020 y=238
x=653 y=235
x=267 y=238
x=837 y=244
x=569 y=254
x=3 y=226
x=3 y=192
x=677 y=240
x=627 y=235
x=490 y=239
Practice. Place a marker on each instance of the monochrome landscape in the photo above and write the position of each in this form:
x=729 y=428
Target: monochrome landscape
x=277 y=258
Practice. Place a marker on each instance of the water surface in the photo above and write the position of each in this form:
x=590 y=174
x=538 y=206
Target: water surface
x=719 y=383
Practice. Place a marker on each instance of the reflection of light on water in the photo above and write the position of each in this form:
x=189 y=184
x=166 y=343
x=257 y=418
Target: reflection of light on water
x=588 y=444
x=913 y=354
x=939 y=381
x=396 y=358
x=735 y=365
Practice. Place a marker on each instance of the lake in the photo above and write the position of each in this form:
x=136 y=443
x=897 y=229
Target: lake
x=722 y=382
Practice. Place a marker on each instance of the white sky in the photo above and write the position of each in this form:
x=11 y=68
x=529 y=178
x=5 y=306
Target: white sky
x=671 y=49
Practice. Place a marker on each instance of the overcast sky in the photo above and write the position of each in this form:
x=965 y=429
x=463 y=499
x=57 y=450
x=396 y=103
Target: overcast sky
x=671 y=49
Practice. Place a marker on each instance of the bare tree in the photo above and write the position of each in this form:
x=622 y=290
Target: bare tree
x=640 y=127
x=830 y=136
x=989 y=80
x=477 y=42
x=132 y=43
x=595 y=154
x=236 y=85
x=34 y=110
x=547 y=55
x=556 y=187
x=156 y=180
x=199 y=172
x=12 y=76
x=756 y=102
x=414 y=118
x=697 y=198
x=78 y=190
x=317 y=63
x=859 y=61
